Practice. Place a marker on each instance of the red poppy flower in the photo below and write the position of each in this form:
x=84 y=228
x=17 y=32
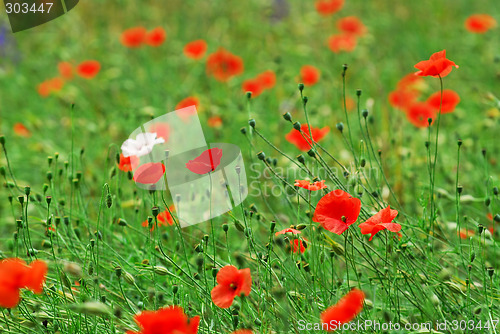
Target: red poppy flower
x=88 y=69
x=187 y=102
x=288 y=230
x=450 y=101
x=403 y=98
x=156 y=37
x=162 y=130
x=351 y=25
x=49 y=86
x=169 y=320
x=231 y=283
x=195 y=49
x=21 y=130
x=134 y=37
x=128 y=164
x=419 y=113
x=267 y=79
x=149 y=173
x=410 y=82
x=297 y=137
x=206 y=162
x=309 y=75
x=223 y=65
x=318 y=185
x=343 y=42
x=214 y=122
x=164 y=218
x=298 y=246
x=252 y=85
x=465 y=233
x=15 y=275
x=66 y=70
x=480 y=23
x=328 y=7
x=336 y=211
x=436 y=66
x=380 y=221
x=346 y=309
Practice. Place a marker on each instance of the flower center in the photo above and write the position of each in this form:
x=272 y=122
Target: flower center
x=344 y=219
x=233 y=286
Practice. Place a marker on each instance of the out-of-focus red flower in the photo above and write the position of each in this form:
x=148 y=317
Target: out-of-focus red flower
x=336 y=211
x=346 y=309
x=480 y=23
x=436 y=66
x=351 y=25
x=288 y=230
x=16 y=275
x=267 y=79
x=49 y=86
x=188 y=101
x=156 y=37
x=231 y=283
x=450 y=101
x=418 y=114
x=169 y=320
x=342 y=43
x=128 y=164
x=162 y=130
x=403 y=98
x=252 y=85
x=195 y=49
x=21 y=130
x=328 y=7
x=465 y=233
x=318 y=185
x=206 y=162
x=380 y=221
x=214 y=122
x=298 y=245
x=242 y=331
x=65 y=70
x=410 y=82
x=304 y=144
x=164 y=218
x=134 y=37
x=309 y=75
x=223 y=65
x=149 y=173
x=88 y=69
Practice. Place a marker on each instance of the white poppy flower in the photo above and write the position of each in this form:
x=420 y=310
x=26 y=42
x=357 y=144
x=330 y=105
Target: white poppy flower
x=142 y=144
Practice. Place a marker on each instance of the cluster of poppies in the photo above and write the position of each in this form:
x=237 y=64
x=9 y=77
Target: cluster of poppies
x=87 y=69
x=407 y=93
x=137 y=37
x=263 y=81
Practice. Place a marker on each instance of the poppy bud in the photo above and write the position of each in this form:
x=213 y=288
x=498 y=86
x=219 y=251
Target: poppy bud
x=287 y=116
x=198 y=248
x=268 y=160
x=109 y=200
x=92 y=243
x=496 y=218
x=225 y=227
x=175 y=289
x=305 y=99
x=364 y=113
x=427 y=144
x=122 y=222
x=214 y=272
x=297 y=126
x=495 y=191
x=251 y=122
x=307 y=268
x=301 y=87
x=20 y=199
x=155 y=211
x=491 y=271
x=429 y=120
x=460 y=189
x=344 y=69
x=249 y=95
x=469 y=267
x=48 y=199
x=129 y=278
x=480 y=228
x=311 y=153
x=487 y=201
x=472 y=257
x=261 y=155
x=477 y=310
x=454 y=288
x=483 y=151
x=459 y=142
x=275 y=162
x=19 y=223
x=257 y=322
x=273 y=226
x=300 y=227
x=358 y=92
x=300 y=158
x=337 y=248
x=2 y=140
x=340 y=127
x=118 y=271
x=435 y=300
x=112 y=173
x=2 y=170
x=205 y=237
x=243 y=130
x=27 y=190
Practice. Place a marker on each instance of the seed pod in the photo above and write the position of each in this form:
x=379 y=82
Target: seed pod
x=251 y=122
x=340 y=127
x=301 y=87
x=287 y=116
x=337 y=248
x=225 y=227
x=109 y=200
x=239 y=226
x=162 y=271
x=454 y=288
x=122 y=222
x=129 y=278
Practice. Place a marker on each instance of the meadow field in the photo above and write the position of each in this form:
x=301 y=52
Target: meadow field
x=368 y=178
